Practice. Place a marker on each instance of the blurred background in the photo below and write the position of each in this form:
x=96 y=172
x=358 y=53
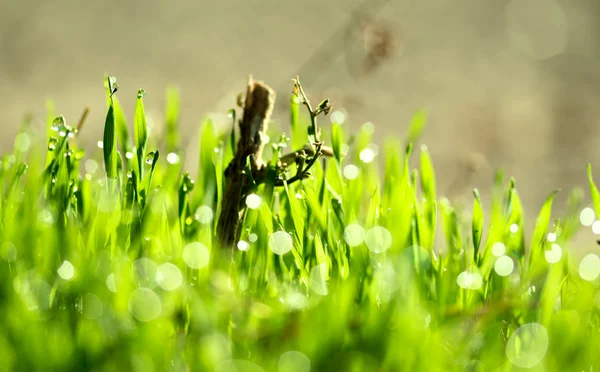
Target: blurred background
x=509 y=84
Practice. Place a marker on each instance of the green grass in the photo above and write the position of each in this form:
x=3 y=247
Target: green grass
x=108 y=261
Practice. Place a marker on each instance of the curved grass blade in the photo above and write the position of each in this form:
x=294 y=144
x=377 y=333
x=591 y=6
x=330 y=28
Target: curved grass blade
x=172 y=119
x=109 y=141
x=477 y=223
x=536 y=250
x=336 y=141
x=593 y=190
x=416 y=127
x=140 y=134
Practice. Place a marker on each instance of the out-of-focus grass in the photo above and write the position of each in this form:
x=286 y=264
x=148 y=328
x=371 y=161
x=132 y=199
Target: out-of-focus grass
x=110 y=262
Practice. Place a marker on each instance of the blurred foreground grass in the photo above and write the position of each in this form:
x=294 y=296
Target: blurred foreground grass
x=110 y=262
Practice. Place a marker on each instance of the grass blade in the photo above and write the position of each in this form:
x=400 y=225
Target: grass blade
x=140 y=133
x=477 y=224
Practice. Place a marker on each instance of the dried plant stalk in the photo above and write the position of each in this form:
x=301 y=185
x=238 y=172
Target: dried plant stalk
x=258 y=107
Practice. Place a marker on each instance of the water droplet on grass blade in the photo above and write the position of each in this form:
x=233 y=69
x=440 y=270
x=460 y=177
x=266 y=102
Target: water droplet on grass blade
x=368 y=128
x=554 y=254
x=204 y=214
x=351 y=171
x=367 y=155
x=196 y=255
x=514 y=228
x=589 y=268
x=378 y=239
x=243 y=245
x=293 y=361
x=551 y=237
x=91 y=166
x=66 y=270
x=150 y=157
x=587 y=216
x=253 y=201
x=354 y=235
x=100 y=144
x=281 y=242
x=467 y=280
x=596 y=227
x=129 y=155
x=169 y=277
x=172 y=158
x=52 y=144
x=498 y=249
x=528 y=345
x=337 y=117
x=504 y=266
x=91 y=306
x=144 y=304
x=252 y=238
x=110 y=283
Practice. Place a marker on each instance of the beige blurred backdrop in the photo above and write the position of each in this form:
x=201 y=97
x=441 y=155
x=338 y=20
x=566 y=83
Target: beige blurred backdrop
x=514 y=81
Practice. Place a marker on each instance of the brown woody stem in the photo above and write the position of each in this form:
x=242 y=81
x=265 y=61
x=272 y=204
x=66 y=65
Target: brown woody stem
x=258 y=107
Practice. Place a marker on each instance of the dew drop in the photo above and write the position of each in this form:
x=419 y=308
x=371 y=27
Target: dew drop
x=243 y=245
x=589 y=268
x=554 y=254
x=196 y=255
x=587 y=216
x=204 y=214
x=52 y=143
x=100 y=144
x=504 y=266
x=498 y=249
x=91 y=166
x=281 y=242
x=253 y=201
x=66 y=270
x=144 y=304
x=252 y=238
x=110 y=283
x=169 y=277
x=337 y=117
x=551 y=237
x=150 y=158
x=467 y=280
x=129 y=155
x=528 y=345
x=514 y=228
x=351 y=171
x=596 y=227
x=367 y=155
x=368 y=128
x=378 y=239
x=293 y=361
x=354 y=235
x=172 y=158
x=91 y=306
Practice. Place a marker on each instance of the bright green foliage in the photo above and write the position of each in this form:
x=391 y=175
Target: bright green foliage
x=341 y=271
